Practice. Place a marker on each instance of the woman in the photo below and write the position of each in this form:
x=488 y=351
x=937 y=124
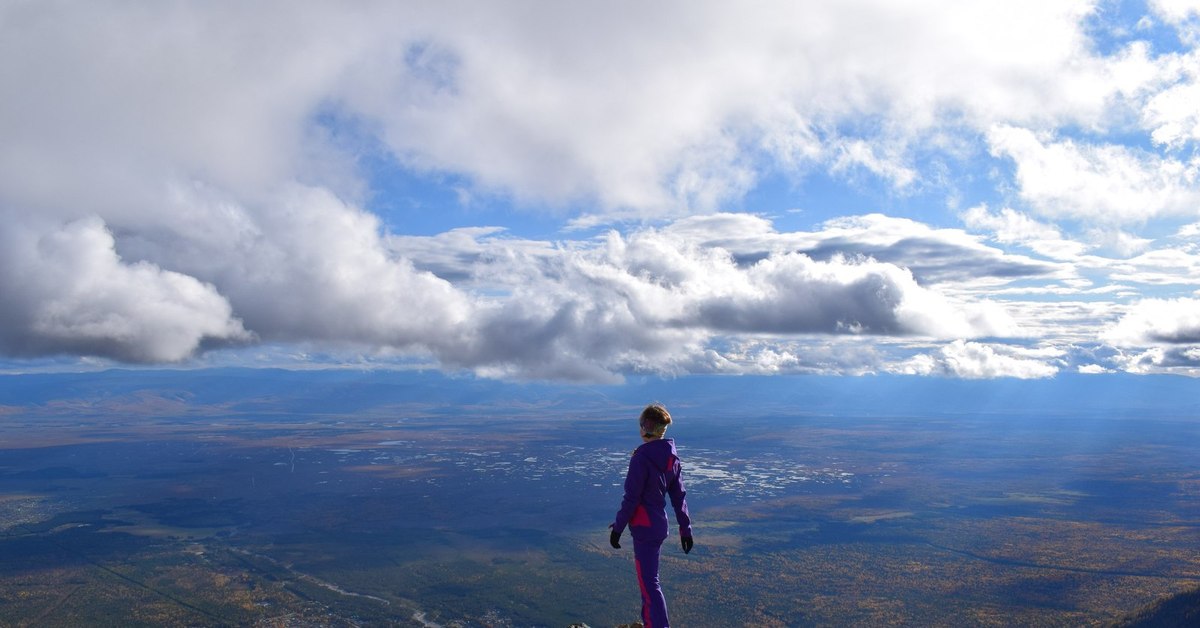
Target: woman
x=654 y=473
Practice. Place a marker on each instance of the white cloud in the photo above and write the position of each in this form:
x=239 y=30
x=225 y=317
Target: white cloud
x=1172 y=113
x=817 y=356
x=673 y=111
x=934 y=256
x=601 y=122
x=1161 y=267
x=1157 y=321
x=891 y=167
x=1176 y=11
x=1013 y=227
x=1074 y=317
x=1009 y=225
x=1189 y=231
x=303 y=265
x=749 y=282
x=792 y=293
x=67 y=291
x=1107 y=184
x=1093 y=369
x=666 y=300
x=1184 y=15
x=972 y=360
x=106 y=103
x=1157 y=360
x=205 y=160
x=1120 y=243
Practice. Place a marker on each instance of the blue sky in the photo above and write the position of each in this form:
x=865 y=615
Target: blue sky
x=592 y=191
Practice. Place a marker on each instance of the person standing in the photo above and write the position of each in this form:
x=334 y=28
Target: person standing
x=654 y=473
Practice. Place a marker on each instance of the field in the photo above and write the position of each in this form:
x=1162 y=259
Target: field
x=170 y=516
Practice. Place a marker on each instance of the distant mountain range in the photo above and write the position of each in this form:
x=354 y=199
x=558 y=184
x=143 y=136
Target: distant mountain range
x=244 y=390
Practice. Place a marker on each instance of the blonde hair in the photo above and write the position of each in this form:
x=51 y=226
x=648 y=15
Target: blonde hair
x=654 y=420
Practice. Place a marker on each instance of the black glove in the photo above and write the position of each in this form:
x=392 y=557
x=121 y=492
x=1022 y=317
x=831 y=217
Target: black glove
x=614 y=537
x=686 y=541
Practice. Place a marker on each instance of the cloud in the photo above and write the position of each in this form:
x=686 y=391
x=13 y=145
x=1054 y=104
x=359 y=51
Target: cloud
x=302 y=266
x=177 y=176
x=665 y=300
x=67 y=291
x=588 y=336
x=845 y=355
x=861 y=154
x=305 y=266
x=972 y=360
x=689 y=105
x=1009 y=225
x=474 y=257
x=697 y=282
x=1184 y=15
x=1157 y=321
x=680 y=110
x=933 y=255
x=107 y=103
x=1171 y=114
x=1093 y=369
x=1013 y=227
x=1176 y=11
x=1162 y=267
x=1155 y=360
x=1189 y=231
x=729 y=91
x=1119 y=242
x=793 y=293
x=1106 y=184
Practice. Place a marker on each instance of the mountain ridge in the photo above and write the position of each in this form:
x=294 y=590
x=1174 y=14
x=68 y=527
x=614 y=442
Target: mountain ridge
x=1181 y=609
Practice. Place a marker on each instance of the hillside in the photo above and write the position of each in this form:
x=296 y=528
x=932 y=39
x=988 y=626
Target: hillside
x=1182 y=609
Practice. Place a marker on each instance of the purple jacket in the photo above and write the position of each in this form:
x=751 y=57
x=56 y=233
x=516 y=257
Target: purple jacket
x=654 y=473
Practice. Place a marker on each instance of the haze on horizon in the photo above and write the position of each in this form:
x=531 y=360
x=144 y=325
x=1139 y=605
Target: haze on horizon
x=587 y=191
